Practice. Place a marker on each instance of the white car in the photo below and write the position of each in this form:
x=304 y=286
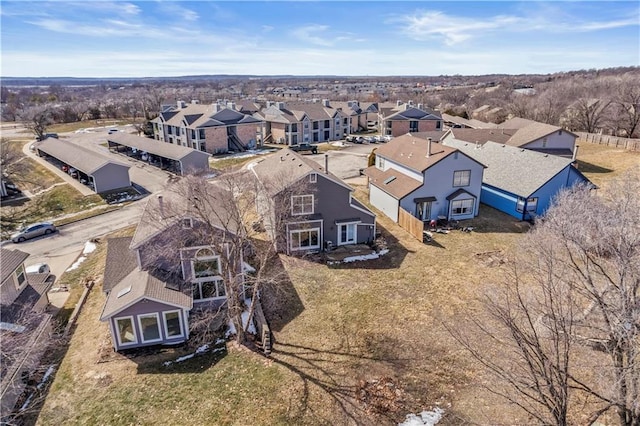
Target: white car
x=38 y=268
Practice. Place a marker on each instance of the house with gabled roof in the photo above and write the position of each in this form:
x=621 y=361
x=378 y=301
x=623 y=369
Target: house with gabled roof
x=426 y=179
x=175 y=265
x=306 y=208
x=408 y=118
x=214 y=128
x=518 y=181
x=521 y=133
x=303 y=122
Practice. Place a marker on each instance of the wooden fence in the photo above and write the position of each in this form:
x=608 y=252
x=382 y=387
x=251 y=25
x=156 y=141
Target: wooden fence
x=412 y=224
x=618 y=142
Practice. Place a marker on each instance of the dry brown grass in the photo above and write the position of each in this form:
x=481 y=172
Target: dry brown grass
x=601 y=163
x=340 y=330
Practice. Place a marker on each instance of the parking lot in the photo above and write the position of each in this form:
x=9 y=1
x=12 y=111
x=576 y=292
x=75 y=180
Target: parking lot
x=346 y=162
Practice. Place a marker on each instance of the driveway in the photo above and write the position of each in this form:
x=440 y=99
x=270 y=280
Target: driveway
x=346 y=162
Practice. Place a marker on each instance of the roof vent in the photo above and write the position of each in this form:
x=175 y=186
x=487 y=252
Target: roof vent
x=124 y=291
x=389 y=180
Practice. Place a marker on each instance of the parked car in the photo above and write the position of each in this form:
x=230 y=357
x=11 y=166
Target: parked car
x=144 y=156
x=305 y=147
x=38 y=268
x=387 y=138
x=73 y=172
x=32 y=231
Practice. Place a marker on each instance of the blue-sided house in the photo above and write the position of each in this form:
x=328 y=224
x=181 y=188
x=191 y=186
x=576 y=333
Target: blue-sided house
x=173 y=266
x=518 y=181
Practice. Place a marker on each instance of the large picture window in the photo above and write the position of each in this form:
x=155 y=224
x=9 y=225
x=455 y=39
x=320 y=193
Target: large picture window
x=305 y=239
x=461 y=177
x=460 y=207
x=149 y=327
x=208 y=290
x=125 y=331
x=205 y=265
x=301 y=204
x=172 y=324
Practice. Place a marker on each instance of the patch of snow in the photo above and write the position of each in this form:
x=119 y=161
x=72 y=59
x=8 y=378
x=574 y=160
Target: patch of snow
x=89 y=247
x=339 y=144
x=76 y=264
x=231 y=330
x=365 y=256
x=47 y=373
x=426 y=418
x=246 y=154
x=199 y=351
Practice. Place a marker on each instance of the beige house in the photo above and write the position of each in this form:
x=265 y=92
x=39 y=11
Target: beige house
x=406 y=118
x=304 y=122
x=214 y=128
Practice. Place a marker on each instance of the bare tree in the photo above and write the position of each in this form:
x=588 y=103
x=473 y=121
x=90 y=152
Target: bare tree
x=588 y=114
x=38 y=119
x=11 y=163
x=573 y=298
x=627 y=105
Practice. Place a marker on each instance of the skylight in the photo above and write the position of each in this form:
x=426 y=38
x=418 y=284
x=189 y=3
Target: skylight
x=124 y=291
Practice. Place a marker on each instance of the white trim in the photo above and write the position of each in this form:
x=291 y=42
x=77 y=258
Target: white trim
x=304 y=221
x=313 y=177
x=370 y=213
x=355 y=232
x=472 y=209
x=149 y=315
x=133 y=326
x=218 y=280
x=205 y=259
x=302 y=196
x=166 y=328
x=314 y=247
x=153 y=299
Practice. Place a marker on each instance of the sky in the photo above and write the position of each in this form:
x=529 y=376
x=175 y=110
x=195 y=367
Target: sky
x=347 y=38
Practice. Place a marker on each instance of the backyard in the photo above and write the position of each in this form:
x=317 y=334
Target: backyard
x=355 y=343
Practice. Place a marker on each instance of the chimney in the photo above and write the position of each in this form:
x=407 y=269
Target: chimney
x=325 y=103
x=420 y=106
x=181 y=104
x=326 y=163
x=575 y=153
x=280 y=105
x=398 y=102
x=195 y=101
x=428 y=147
x=161 y=205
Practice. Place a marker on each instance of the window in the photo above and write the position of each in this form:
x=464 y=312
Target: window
x=125 y=331
x=413 y=126
x=149 y=327
x=205 y=265
x=294 y=127
x=172 y=324
x=327 y=124
x=301 y=204
x=544 y=142
x=438 y=125
x=380 y=161
x=460 y=207
x=208 y=290
x=201 y=134
x=305 y=239
x=193 y=134
x=187 y=223
x=20 y=275
x=313 y=178
x=315 y=125
x=169 y=130
x=461 y=177
x=347 y=233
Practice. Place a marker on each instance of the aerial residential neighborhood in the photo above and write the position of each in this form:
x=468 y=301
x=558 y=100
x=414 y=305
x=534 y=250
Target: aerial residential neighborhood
x=383 y=214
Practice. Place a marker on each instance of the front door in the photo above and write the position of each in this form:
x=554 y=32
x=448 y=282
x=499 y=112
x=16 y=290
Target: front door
x=423 y=210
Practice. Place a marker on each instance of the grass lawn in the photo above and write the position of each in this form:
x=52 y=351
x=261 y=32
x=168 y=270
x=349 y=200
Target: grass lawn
x=600 y=163
x=340 y=331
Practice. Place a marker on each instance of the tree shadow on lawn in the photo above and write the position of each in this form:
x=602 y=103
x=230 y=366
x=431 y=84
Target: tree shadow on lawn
x=182 y=361
x=323 y=368
x=280 y=300
x=490 y=220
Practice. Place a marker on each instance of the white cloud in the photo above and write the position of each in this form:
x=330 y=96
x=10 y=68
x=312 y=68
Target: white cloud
x=176 y=10
x=267 y=28
x=427 y=25
x=311 y=34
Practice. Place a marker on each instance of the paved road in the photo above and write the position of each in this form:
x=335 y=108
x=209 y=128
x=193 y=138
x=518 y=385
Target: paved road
x=60 y=250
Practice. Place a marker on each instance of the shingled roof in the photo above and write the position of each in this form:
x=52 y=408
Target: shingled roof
x=393 y=182
x=515 y=170
x=411 y=152
x=81 y=158
x=286 y=167
x=120 y=262
x=9 y=262
x=139 y=285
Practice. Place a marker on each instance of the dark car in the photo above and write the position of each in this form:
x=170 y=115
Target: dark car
x=305 y=147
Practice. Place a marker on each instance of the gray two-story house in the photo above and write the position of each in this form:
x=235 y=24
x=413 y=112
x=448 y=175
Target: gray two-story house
x=306 y=208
